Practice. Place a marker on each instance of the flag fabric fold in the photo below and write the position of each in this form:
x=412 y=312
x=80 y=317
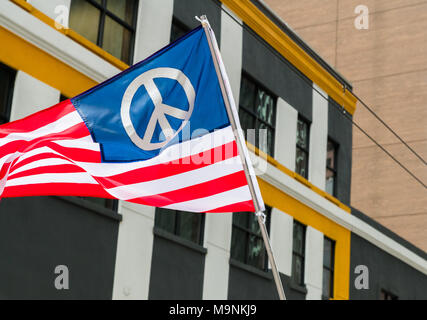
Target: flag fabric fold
x=156 y=134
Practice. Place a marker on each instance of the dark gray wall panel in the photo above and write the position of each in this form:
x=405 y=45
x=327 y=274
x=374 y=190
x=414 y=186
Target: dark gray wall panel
x=247 y=284
x=185 y=10
x=340 y=129
x=385 y=272
x=176 y=269
x=39 y=233
x=276 y=75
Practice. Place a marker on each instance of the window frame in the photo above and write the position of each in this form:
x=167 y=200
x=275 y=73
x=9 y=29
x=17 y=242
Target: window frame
x=177 y=219
x=304 y=150
x=334 y=170
x=330 y=269
x=104 y=12
x=253 y=114
x=248 y=233
x=299 y=282
x=5 y=118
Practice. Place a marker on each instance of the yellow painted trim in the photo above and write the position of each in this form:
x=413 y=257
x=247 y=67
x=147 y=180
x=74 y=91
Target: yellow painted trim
x=297 y=177
x=72 y=35
x=20 y=55
x=279 y=40
x=304 y=214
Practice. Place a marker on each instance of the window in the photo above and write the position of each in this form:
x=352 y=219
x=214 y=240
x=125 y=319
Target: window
x=7 y=81
x=301 y=159
x=258 y=111
x=108 y=23
x=187 y=225
x=298 y=253
x=386 y=295
x=328 y=268
x=247 y=245
x=178 y=30
x=331 y=167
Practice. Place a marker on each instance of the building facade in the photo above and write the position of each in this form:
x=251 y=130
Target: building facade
x=374 y=57
x=120 y=250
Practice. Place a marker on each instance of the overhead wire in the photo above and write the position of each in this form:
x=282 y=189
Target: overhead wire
x=334 y=103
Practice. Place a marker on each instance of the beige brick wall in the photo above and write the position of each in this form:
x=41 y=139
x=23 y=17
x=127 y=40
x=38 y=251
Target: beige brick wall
x=387 y=65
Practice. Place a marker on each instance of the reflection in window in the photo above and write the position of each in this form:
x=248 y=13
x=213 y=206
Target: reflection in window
x=328 y=268
x=108 y=23
x=298 y=253
x=7 y=80
x=247 y=245
x=331 y=168
x=187 y=225
x=301 y=159
x=257 y=111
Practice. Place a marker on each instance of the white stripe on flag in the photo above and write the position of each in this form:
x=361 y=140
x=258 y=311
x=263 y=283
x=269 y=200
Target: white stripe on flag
x=215 y=201
x=178 y=181
x=57 y=126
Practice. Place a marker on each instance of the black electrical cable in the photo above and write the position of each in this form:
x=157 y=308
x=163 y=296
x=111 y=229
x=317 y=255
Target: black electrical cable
x=390 y=129
x=335 y=104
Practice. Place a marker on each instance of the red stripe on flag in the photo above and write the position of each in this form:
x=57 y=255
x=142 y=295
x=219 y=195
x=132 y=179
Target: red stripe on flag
x=38 y=119
x=57 y=189
x=196 y=161
x=244 y=206
x=75 y=132
x=197 y=191
x=59 y=168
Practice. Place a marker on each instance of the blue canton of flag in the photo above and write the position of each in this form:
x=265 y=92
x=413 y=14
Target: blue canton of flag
x=144 y=109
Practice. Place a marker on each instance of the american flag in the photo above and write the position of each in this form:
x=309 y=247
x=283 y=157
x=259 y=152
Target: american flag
x=83 y=146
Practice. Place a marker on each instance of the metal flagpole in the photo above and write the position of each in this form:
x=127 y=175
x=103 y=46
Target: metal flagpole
x=232 y=114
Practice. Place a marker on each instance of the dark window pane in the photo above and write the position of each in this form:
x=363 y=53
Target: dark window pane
x=330 y=157
x=189 y=226
x=264 y=138
x=117 y=40
x=238 y=245
x=123 y=9
x=165 y=219
x=247 y=94
x=253 y=223
x=265 y=106
x=326 y=283
x=327 y=253
x=330 y=182
x=298 y=238
x=301 y=163
x=240 y=219
x=247 y=121
x=256 y=252
x=302 y=134
x=84 y=19
x=7 y=79
x=298 y=269
x=257 y=111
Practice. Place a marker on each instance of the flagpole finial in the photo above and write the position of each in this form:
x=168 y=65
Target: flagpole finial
x=202 y=19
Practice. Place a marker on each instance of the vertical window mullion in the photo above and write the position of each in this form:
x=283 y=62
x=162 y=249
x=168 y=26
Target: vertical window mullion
x=101 y=23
